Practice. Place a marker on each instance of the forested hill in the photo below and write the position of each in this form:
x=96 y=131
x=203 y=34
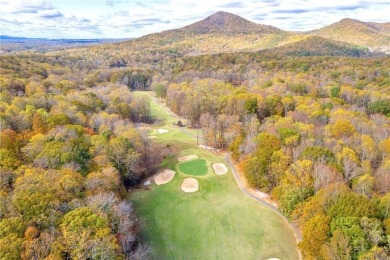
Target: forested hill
x=384 y=28
x=219 y=33
x=227 y=23
x=319 y=46
x=228 y=33
x=357 y=32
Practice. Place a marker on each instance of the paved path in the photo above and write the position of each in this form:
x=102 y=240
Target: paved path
x=242 y=187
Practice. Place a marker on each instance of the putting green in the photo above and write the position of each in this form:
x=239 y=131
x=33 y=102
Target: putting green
x=195 y=167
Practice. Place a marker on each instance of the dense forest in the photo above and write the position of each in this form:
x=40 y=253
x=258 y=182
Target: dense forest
x=67 y=153
x=310 y=128
x=322 y=153
x=314 y=132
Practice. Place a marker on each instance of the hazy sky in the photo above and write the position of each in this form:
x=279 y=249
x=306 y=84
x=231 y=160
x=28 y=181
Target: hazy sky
x=133 y=18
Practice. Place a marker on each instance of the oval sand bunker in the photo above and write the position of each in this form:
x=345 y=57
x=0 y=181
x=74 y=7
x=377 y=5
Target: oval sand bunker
x=219 y=168
x=164 y=177
x=162 y=131
x=187 y=158
x=189 y=185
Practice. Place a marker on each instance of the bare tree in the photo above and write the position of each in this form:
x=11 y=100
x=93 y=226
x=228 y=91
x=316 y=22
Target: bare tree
x=325 y=175
x=104 y=202
x=206 y=120
x=126 y=235
x=351 y=169
x=141 y=252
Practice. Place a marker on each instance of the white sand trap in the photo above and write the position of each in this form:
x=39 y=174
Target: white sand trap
x=164 y=177
x=262 y=195
x=265 y=197
x=206 y=147
x=162 y=131
x=189 y=185
x=144 y=127
x=187 y=158
x=152 y=137
x=273 y=258
x=219 y=168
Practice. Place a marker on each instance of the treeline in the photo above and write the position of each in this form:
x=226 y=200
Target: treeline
x=171 y=63
x=259 y=70
x=68 y=147
x=325 y=156
x=312 y=131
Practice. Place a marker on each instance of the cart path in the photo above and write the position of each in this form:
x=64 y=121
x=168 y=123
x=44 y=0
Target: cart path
x=243 y=188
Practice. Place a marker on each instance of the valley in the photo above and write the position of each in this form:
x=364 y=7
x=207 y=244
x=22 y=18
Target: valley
x=161 y=146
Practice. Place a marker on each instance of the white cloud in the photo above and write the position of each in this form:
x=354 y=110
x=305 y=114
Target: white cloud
x=132 y=18
x=17 y=6
x=42 y=19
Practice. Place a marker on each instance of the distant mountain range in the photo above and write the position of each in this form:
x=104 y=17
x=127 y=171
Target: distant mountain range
x=373 y=35
x=319 y=46
x=18 y=39
x=10 y=43
x=225 y=32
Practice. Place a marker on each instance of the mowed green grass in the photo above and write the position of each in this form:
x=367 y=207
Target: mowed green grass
x=216 y=222
x=194 y=167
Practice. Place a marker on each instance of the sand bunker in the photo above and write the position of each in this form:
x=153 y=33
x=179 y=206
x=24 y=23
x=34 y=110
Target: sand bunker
x=144 y=127
x=262 y=195
x=265 y=197
x=219 y=168
x=187 y=158
x=273 y=258
x=162 y=131
x=206 y=147
x=152 y=137
x=164 y=177
x=189 y=185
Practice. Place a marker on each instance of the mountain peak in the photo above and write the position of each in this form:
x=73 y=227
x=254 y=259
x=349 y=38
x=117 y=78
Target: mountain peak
x=227 y=23
x=355 y=32
x=318 y=46
x=347 y=24
x=383 y=28
x=223 y=14
x=349 y=20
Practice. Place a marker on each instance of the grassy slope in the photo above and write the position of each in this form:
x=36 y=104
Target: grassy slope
x=217 y=222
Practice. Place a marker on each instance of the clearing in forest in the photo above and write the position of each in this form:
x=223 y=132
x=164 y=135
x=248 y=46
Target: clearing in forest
x=217 y=221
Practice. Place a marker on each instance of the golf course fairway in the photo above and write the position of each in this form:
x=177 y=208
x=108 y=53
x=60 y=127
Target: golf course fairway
x=218 y=221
